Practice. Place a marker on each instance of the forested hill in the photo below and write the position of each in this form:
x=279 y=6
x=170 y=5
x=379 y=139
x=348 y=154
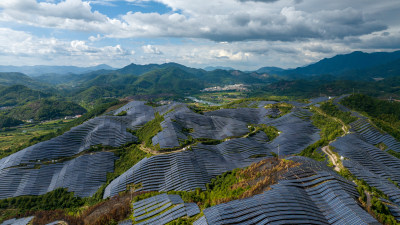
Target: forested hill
x=341 y=63
x=10 y=78
x=45 y=109
x=19 y=95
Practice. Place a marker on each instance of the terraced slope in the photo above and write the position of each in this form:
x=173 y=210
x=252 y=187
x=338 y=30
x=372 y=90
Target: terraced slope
x=62 y=162
x=188 y=170
x=310 y=194
x=373 y=136
x=162 y=209
x=371 y=164
x=297 y=132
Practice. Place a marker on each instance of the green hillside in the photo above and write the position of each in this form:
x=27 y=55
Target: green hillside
x=45 y=109
x=6 y=121
x=9 y=79
x=385 y=114
x=341 y=63
x=307 y=88
x=19 y=95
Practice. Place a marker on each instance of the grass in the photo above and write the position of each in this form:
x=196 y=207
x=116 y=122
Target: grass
x=270 y=131
x=149 y=130
x=330 y=130
x=128 y=157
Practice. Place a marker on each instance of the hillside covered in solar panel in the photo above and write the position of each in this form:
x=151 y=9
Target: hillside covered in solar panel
x=321 y=162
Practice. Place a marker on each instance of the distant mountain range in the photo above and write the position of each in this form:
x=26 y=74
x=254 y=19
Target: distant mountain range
x=40 y=70
x=211 y=68
x=269 y=69
x=176 y=79
x=342 y=63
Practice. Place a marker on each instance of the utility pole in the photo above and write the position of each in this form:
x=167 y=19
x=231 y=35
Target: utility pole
x=278 y=150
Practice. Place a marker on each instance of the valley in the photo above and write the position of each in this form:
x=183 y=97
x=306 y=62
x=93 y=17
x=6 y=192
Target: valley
x=145 y=144
x=183 y=153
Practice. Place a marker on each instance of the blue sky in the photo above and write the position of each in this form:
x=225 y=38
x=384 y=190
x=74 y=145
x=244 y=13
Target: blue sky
x=243 y=34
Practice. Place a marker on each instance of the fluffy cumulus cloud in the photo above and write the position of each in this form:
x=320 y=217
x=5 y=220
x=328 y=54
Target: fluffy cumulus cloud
x=231 y=32
x=150 y=49
x=17 y=46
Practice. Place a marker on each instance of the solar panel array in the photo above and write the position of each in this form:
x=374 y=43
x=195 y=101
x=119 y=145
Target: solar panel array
x=43 y=167
x=162 y=209
x=297 y=132
x=137 y=114
x=56 y=223
x=125 y=222
x=373 y=136
x=308 y=195
x=191 y=169
x=317 y=100
x=212 y=127
x=171 y=136
x=108 y=131
x=21 y=221
x=82 y=175
x=371 y=164
x=218 y=124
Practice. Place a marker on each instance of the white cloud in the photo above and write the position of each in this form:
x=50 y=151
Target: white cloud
x=19 y=46
x=238 y=33
x=223 y=20
x=150 y=49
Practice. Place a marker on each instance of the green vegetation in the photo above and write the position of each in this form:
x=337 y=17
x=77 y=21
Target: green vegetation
x=14 y=140
x=235 y=184
x=6 y=121
x=270 y=131
x=65 y=201
x=311 y=150
x=45 y=109
x=332 y=110
x=223 y=97
x=17 y=138
x=128 y=155
x=57 y=199
x=240 y=103
x=382 y=146
x=330 y=130
x=122 y=113
x=10 y=79
x=393 y=153
x=284 y=108
x=201 y=109
x=19 y=95
x=376 y=206
x=149 y=130
x=384 y=114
